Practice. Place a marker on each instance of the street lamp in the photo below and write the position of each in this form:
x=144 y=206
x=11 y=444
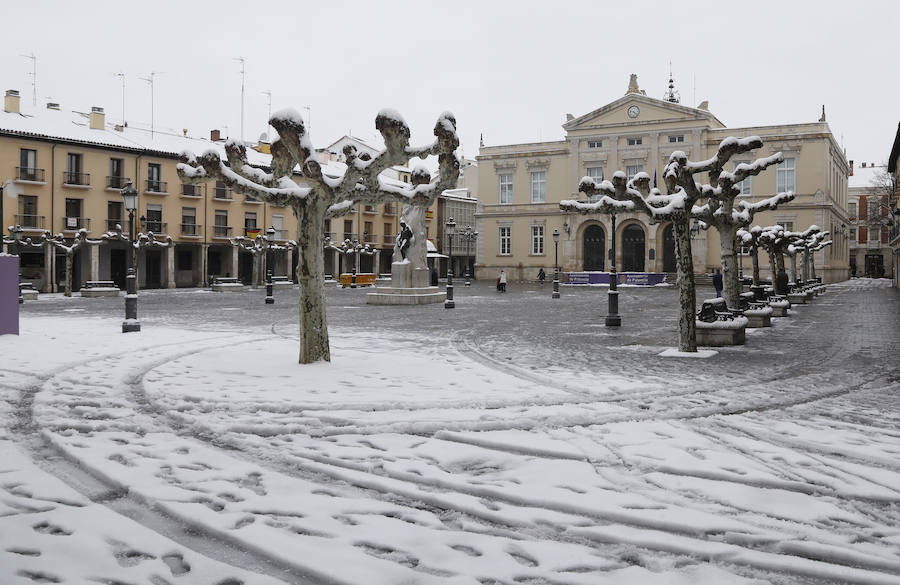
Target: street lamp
x=17 y=233
x=270 y=300
x=469 y=235
x=131 y=323
x=451 y=231
x=555 y=294
x=612 y=318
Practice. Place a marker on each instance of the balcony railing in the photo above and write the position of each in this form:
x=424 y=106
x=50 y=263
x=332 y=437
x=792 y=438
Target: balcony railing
x=71 y=224
x=249 y=199
x=114 y=182
x=370 y=239
x=349 y=236
x=252 y=232
x=191 y=190
x=368 y=209
x=388 y=209
x=221 y=231
x=82 y=179
x=30 y=174
x=111 y=223
x=157 y=227
x=389 y=240
x=190 y=229
x=281 y=235
x=329 y=235
x=156 y=186
x=30 y=221
x=222 y=193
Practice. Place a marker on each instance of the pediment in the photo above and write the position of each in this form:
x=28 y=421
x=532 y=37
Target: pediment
x=648 y=110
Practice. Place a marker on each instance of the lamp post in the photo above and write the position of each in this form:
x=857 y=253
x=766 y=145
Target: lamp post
x=469 y=235
x=355 y=247
x=131 y=323
x=270 y=300
x=17 y=233
x=555 y=294
x=612 y=318
x=451 y=231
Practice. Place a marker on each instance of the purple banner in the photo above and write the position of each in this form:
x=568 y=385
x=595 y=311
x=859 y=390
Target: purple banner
x=9 y=295
x=634 y=278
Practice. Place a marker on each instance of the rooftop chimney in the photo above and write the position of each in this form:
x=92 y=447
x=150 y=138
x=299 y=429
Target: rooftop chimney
x=98 y=118
x=52 y=106
x=11 y=102
x=214 y=135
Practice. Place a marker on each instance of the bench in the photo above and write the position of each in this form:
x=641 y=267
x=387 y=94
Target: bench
x=362 y=279
x=226 y=284
x=710 y=309
x=281 y=281
x=99 y=288
x=27 y=292
x=758 y=314
x=717 y=325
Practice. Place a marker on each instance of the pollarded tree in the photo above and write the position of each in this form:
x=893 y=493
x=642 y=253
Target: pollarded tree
x=621 y=196
x=812 y=255
x=750 y=238
x=316 y=196
x=720 y=210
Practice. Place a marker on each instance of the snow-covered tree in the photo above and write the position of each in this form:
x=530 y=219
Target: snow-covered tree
x=721 y=211
x=620 y=196
x=258 y=246
x=295 y=179
x=750 y=239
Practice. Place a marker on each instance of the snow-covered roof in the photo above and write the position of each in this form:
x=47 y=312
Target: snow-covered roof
x=71 y=125
x=863 y=176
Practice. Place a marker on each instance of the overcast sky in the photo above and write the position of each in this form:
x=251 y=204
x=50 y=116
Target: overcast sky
x=509 y=70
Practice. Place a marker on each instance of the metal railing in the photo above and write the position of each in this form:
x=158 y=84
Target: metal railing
x=389 y=240
x=370 y=239
x=281 y=234
x=115 y=182
x=157 y=227
x=30 y=174
x=350 y=236
x=368 y=209
x=70 y=178
x=222 y=193
x=221 y=231
x=329 y=235
x=156 y=186
x=71 y=224
x=249 y=199
x=191 y=190
x=252 y=232
x=111 y=223
x=30 y=221
x=388 y=209
x=190 y=229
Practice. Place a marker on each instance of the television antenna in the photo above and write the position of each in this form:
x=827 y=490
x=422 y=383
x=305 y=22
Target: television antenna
x=33 y=75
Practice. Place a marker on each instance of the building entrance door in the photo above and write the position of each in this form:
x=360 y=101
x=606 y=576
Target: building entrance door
x=633 y=249
x=594 y=242
x=117 y=267
x=153 y=266
x=874 y=265
x=669 y=249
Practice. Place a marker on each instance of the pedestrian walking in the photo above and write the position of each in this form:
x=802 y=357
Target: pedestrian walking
x=542 y=275
x=501 y=281
x=717 y=282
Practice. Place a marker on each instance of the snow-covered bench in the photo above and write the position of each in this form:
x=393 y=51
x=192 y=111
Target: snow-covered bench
x=99 y=288
x=759 y=314
x=717 y=325
x=226 y=284
x=281 y=281
x=780 y=305
x=27 y=292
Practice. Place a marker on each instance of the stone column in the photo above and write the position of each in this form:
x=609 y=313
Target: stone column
x=234 y=261
x=255 y=271
x=94 y=272
x=48 y=269
x=289 y=261
x=170 y=266
x=203 y=276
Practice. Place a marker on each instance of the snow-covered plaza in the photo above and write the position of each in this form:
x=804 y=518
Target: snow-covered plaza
x=512 y=440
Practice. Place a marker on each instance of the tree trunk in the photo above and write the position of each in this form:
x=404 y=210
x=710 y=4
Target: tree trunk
x=793 y=268
x=310 y=272
x=69 y=254
x=687 y=294
x=754 y=255
x=806 y=255
x=730 y=281
x=773 y=266
x=812 y=265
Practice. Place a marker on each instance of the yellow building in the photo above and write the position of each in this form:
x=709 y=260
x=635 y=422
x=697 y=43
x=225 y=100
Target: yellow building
x=67 y=169
x=871 y=221
x=520 y=187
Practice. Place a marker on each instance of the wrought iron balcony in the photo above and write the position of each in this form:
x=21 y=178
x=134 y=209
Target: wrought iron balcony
x=190 y=229
x=221 y=231
x=222 y=193
x=111 y=223
x=28 y=221
x=156 y=186
x=81 y=179
x=30 y=174
x=157 y=227
x=115 y=182
x=71 y=224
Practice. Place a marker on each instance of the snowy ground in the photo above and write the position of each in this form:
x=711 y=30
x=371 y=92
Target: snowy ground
x=513 y=440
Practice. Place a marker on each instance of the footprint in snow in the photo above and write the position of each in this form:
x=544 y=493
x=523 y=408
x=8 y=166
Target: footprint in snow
x=176 y=564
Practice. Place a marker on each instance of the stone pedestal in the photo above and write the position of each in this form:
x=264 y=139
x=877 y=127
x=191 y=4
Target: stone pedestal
x=759 y=317
x=9 y=295
x=409 y=286
x=720 y=333
x=797 y=298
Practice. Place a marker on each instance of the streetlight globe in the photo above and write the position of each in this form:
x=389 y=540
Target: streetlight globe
x=555 y=235
x=271 y=232
x=451 y=227
x=130 y=196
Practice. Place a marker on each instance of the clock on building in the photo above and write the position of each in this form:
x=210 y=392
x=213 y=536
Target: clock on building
x=634 y=112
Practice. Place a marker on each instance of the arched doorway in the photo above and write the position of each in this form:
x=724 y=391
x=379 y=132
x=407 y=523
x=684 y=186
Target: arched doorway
x=668 y=264
x=633 y=249
x=594 y=241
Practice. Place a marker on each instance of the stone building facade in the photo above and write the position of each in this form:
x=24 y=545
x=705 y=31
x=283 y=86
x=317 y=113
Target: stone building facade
x=520 y=187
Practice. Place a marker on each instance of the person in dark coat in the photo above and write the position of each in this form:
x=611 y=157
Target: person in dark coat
x=717 y=282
